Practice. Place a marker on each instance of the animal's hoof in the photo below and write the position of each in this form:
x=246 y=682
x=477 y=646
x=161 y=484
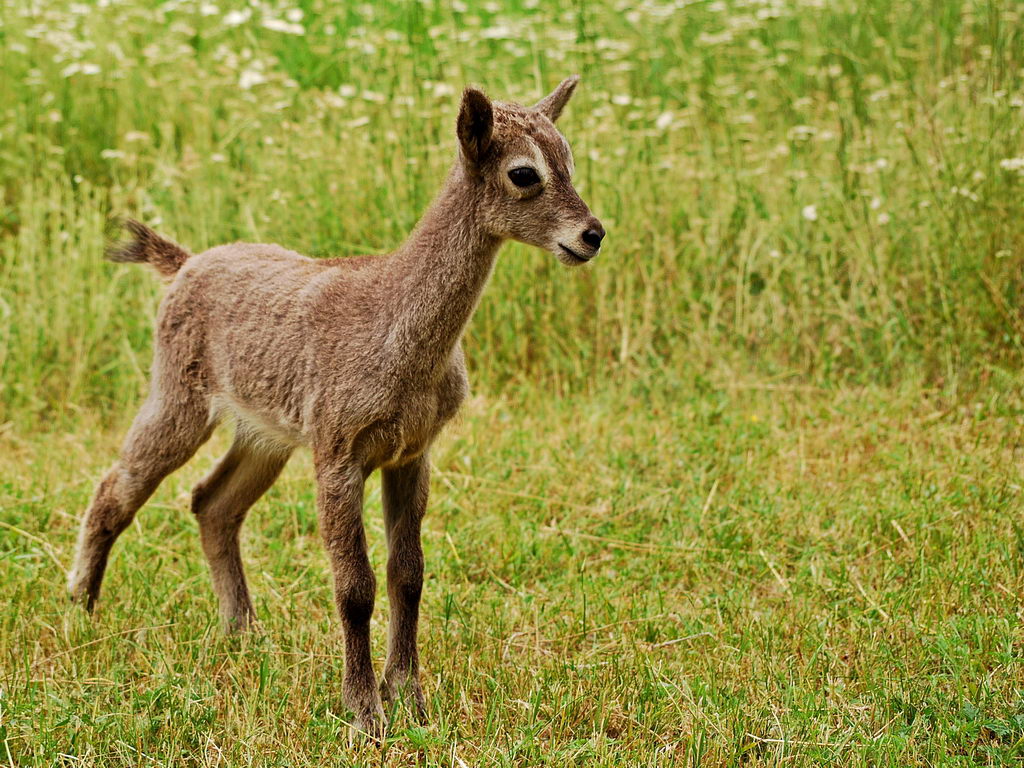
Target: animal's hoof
x=363 y=699
x=79 y=595
x=369 y=728
x=236 y=626
x=392 y=689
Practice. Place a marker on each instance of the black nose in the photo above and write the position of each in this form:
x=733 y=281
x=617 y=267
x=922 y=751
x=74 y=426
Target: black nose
x=594 y=235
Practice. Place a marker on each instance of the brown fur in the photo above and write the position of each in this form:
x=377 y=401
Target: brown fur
x=358 y=358
x=147 y=247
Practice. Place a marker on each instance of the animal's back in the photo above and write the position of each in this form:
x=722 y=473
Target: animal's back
x=247 y=313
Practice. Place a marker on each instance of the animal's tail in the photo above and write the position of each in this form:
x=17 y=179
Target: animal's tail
x=147 y=247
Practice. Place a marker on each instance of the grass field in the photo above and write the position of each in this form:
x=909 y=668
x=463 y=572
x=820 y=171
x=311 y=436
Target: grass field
x=746 y=491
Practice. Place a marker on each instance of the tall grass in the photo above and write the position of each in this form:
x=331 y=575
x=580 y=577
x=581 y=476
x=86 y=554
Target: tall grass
x=810 y=188
x=772 y=516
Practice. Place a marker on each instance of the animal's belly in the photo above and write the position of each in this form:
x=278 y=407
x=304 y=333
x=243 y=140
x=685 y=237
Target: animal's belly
x=261 y=423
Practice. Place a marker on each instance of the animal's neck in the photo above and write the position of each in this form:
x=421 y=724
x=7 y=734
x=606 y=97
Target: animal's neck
x=444 y=266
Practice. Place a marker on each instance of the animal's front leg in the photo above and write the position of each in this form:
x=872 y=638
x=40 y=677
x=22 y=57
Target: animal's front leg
x=340 y=506
x=405 y=500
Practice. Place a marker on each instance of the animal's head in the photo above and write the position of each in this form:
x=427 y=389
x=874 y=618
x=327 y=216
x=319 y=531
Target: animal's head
x=523 y=169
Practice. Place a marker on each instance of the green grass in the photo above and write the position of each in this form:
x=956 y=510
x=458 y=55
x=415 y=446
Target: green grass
x=750 y=575
x=745 y=491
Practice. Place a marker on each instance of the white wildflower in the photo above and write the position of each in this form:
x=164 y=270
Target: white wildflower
x=883 y=218
x=111 y=154
x=497 y=32
x=280 y=25
x=710 y=39
x=440 y=90
x=1015 y=164
x=801 y=132
x=964 y=192
x=810 y=212
x=876 y=203
x=250 y=78
x=208 y=9
x=76 y=68
x=294 y=15
x=664 y=121
x=237 y=18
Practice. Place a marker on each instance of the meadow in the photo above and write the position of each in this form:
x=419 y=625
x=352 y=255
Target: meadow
x=746 y=490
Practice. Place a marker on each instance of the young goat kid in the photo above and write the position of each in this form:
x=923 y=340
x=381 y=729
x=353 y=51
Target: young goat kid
x=359 y=358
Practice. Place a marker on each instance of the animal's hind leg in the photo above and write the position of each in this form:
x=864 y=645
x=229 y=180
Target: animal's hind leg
x=220 y=502
x=165 y=434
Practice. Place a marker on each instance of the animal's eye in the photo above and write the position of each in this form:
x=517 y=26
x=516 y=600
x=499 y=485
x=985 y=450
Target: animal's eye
x=523 y=177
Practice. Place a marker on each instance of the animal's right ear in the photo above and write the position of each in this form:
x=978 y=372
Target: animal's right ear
x=476 y=123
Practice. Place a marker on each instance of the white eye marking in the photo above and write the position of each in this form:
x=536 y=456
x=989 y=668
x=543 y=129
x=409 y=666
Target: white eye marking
x=533 y=162
x=570 y=162
x=539 y=163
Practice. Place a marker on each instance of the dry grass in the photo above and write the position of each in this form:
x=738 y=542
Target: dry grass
x=745 y=491
x=802 y=576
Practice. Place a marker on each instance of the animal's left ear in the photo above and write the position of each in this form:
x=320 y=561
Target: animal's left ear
x=552 y=104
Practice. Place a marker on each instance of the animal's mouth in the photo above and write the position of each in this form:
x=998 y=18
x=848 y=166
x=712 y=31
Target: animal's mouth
x=577 y=258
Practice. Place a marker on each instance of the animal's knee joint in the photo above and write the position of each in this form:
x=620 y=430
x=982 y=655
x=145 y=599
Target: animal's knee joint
x=356 y=609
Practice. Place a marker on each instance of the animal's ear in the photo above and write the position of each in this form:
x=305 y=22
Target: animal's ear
x=552 y=104
x=475 y=126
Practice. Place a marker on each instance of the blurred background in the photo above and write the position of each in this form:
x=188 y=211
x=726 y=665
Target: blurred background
x=830 y=191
